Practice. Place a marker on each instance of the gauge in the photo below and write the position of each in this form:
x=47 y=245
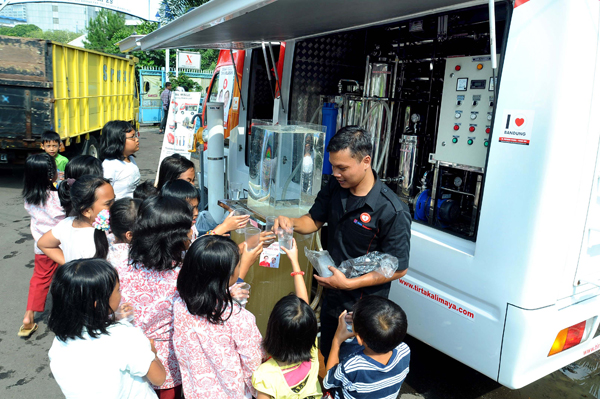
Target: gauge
x=415 y=118
x=457 y=181
x=461 y=84
x=473 y=115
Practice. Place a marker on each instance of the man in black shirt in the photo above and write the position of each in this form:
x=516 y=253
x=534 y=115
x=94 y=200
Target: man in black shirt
x=363 y=215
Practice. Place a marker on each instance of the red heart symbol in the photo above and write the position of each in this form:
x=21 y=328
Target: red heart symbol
x=519 y=121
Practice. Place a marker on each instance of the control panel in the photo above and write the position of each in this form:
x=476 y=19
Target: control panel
x=466 y=111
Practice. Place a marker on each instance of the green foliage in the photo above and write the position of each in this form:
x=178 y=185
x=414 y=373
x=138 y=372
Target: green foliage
x=32 y=31
x=106 y=30
x=19 y=30
x=60 y=36
x=184 y=81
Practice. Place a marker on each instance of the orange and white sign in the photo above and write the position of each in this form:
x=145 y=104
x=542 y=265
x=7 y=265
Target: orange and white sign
x=517 y=126
x=189 y=60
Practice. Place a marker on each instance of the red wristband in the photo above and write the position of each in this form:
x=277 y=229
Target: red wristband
x=296 y=273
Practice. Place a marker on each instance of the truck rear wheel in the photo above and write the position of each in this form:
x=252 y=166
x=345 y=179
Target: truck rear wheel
x=91 y=147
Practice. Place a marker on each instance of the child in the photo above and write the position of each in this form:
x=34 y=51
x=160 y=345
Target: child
x=291 y=341
x=175 y=167
x=186 y=191
x=123 y=215
x=120 y=142
x=160 y=237
x=43 y=205
x=145 y=190
x=93 y=355
x=83 y=235
x=378 y=370
x=51 y=145
x=216 y=341
x=80 y=165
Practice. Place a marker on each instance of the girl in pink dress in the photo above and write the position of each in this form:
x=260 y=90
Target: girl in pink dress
x=216 y=340
x=43 y=205
x=159 y=239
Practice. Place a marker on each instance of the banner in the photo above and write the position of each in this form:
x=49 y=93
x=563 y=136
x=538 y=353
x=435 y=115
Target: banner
x=226 y=82
x=179 y=131
x=147 y=9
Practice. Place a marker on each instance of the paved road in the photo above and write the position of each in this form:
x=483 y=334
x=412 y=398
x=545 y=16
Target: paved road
x=25 y=372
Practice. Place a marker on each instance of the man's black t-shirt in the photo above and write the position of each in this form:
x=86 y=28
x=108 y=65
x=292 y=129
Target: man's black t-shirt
x=378 y=221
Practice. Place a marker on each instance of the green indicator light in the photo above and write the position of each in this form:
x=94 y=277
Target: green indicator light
x=486 y=143
x=470 y=141
x=454 y=140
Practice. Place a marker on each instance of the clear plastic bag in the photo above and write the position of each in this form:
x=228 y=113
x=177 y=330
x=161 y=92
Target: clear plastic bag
x=383 y=264
x=320 y=260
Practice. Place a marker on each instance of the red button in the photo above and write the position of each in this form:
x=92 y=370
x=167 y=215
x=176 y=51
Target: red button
x=457 y=68
x=471 y=128
x=456 y=127
x=487 y=130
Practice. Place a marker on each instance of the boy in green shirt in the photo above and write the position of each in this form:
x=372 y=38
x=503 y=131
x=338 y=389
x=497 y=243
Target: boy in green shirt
x=51 y=145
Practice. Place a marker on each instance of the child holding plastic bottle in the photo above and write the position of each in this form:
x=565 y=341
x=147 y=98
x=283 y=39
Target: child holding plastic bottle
x=217 y=343
x=292 y=371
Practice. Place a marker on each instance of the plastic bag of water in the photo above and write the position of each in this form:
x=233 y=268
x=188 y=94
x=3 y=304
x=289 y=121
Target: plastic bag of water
x=320 y=260
x=383 y=264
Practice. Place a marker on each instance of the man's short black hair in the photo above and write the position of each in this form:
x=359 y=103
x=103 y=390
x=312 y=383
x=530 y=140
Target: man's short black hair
x=49 y=136
x=353 y=138
x=167 y=84
x=380 y=323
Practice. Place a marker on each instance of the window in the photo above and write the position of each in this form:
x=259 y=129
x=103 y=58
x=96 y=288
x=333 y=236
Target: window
x=55 y=20
x=54 y=8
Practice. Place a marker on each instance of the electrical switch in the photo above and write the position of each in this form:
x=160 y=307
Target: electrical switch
x=475 y=103
x=489 y=117
x=456 y=127
x=487 y=130
x=471 y=128
x=457 y=115
x=473 y=115
x=454 y=140
x=470 y=141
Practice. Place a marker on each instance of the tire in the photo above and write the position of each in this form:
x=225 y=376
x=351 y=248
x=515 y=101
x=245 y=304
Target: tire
x=91 y=147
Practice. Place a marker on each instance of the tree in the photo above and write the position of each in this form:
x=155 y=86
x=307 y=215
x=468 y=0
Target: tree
x=23 y=30
x=60 y=36
x=184 y=81
x=105 y=31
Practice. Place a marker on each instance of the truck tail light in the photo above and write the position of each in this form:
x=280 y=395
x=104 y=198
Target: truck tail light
x=571 y=336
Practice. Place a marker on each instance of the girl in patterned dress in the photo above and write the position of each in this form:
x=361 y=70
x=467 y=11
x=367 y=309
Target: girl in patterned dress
x=43 y=205
x=216 y=340
x=160 y=237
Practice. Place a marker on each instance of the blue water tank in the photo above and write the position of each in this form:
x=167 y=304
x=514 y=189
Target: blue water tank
x=330 y=121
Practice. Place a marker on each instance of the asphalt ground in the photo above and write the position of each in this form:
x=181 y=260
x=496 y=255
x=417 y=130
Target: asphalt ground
x=24 y=365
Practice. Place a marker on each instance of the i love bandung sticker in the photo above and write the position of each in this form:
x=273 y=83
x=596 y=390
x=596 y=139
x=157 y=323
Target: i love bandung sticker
x=516 y=127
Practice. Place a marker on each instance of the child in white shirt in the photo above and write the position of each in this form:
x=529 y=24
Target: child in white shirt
x=83 y=235
x=94 y=355
x=119 y=142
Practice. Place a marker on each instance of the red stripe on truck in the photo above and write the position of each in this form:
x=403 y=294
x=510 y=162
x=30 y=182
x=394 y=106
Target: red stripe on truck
x=520 y=2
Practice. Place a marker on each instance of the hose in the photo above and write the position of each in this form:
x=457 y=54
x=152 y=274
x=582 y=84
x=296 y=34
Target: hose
x=377 y=159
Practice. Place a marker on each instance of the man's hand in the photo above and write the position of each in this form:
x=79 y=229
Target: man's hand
x=283 y=222
x=338 y=281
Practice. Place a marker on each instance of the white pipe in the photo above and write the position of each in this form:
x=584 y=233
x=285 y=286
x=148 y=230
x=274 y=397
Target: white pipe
x=177 y=64
x=492 y=11
x=384 y=152
x=167 y=69
x=215 y=164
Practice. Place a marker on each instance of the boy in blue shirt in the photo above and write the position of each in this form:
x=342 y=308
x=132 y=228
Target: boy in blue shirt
x=377 y=368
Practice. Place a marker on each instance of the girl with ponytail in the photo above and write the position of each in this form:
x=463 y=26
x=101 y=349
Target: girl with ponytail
x=84 y=234
x=79 y=166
